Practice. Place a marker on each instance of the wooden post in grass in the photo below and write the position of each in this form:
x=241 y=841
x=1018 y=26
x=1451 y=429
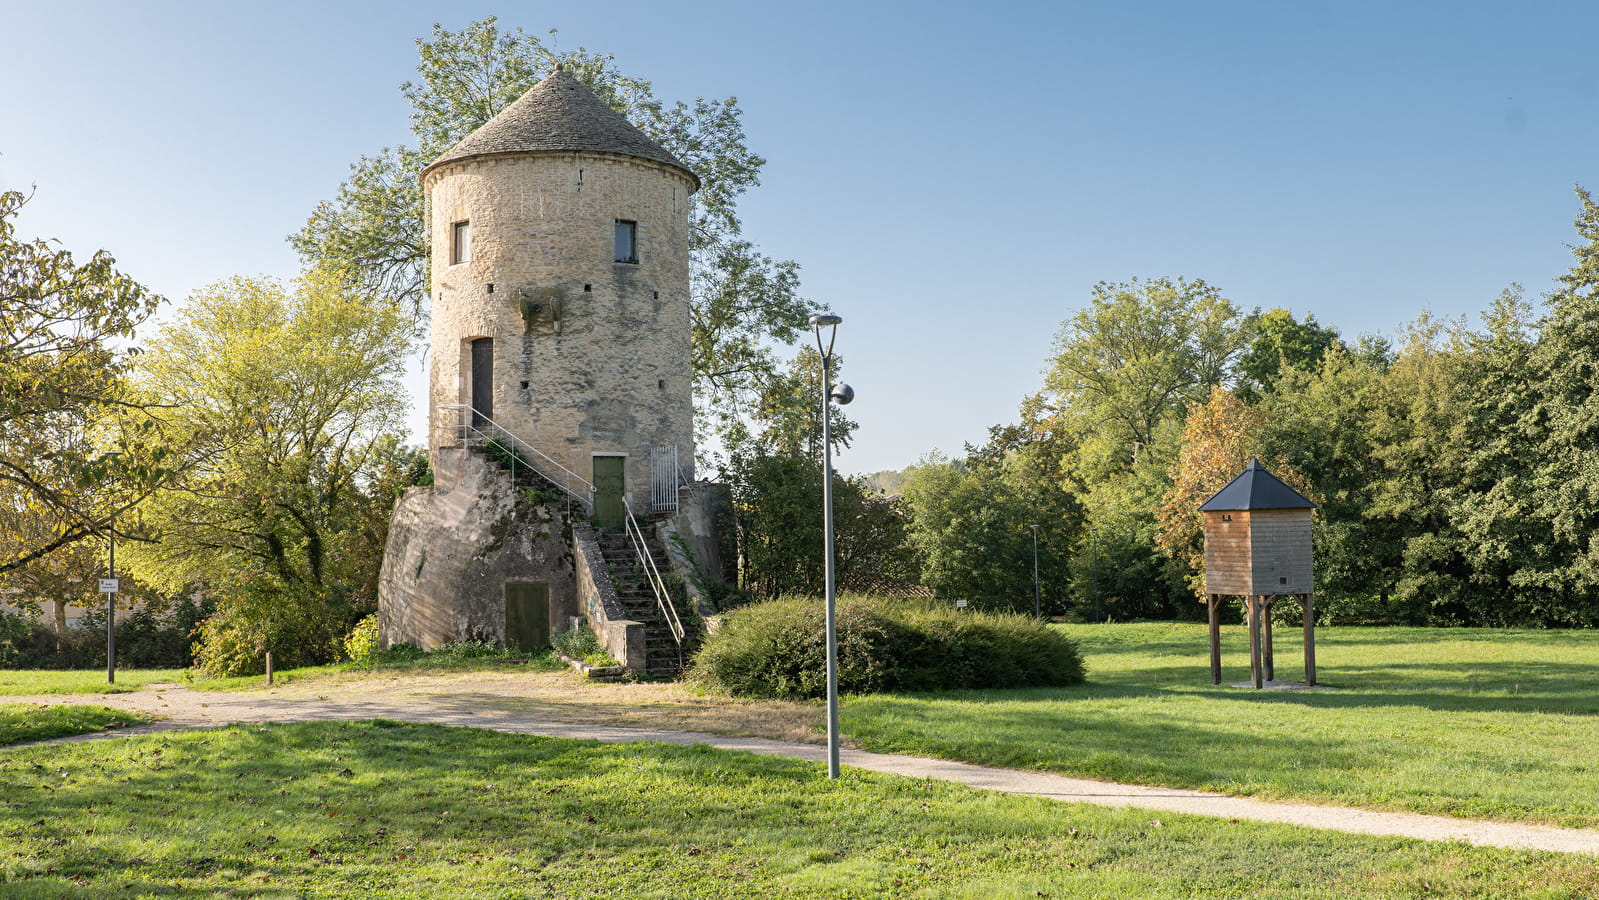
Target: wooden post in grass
x=1214 y=602
x=1309 y=602
x=1267 y=657
x=1252 y=607
x=269 y=667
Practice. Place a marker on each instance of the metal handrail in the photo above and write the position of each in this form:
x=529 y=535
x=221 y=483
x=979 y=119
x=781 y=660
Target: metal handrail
x=468 y=428
x=657 y=584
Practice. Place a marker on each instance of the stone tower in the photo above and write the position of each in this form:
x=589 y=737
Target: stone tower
x=561 y=293
x=560 y=326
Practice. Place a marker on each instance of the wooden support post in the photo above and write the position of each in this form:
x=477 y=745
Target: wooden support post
x=1214 y=602
x=269 y=667
x=1309 y=601
x=1252 y=605
x=1268 y=655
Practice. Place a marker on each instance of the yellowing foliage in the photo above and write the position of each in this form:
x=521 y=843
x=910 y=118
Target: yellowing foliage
x=1220 y=436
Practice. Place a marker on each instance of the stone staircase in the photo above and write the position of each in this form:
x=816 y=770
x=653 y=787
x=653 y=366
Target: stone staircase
x=663 y=658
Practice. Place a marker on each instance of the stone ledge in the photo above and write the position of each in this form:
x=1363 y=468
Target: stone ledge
x=595 y=673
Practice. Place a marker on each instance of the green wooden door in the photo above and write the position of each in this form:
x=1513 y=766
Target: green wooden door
x=608 y=487
x=527 y=615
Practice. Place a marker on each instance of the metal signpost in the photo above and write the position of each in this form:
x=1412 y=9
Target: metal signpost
x=110 y=587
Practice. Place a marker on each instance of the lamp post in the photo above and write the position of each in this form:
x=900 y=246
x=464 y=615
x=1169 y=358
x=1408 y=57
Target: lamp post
x=1038 y=602
x=1093 y=537
x=841 y=394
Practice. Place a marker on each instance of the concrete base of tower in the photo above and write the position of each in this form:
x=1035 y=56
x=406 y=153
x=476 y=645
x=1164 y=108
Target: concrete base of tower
x=467 y=560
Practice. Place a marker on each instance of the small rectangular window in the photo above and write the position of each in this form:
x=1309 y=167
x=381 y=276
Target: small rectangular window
x=460 y=243
x=626 y=241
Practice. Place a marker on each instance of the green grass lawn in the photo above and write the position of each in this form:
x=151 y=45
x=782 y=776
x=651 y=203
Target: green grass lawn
x=1466 y=722
x=384 y=810
x=20 y=682
x=20 y=723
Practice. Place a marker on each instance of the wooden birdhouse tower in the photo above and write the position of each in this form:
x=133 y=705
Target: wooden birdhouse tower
x=1258 y=548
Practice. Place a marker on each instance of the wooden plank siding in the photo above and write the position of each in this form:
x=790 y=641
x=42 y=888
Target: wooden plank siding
x=1280 y=541
x=1263 y=551
x=1227 y=553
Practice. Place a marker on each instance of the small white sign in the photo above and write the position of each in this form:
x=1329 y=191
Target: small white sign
x=960 y=604
x=110 y=585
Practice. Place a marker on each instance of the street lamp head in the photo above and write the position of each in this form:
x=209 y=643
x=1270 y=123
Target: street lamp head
x=842 y=394
x=821 y=319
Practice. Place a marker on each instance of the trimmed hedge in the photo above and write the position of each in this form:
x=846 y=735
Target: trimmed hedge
x=777 y=649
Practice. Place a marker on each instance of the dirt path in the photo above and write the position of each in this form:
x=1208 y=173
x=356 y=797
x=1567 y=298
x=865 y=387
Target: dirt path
x=557 y=705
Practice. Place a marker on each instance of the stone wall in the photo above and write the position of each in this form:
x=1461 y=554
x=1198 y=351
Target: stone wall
x=621 y=637
x=452 y=549
x=704 y=527
x=591 y=356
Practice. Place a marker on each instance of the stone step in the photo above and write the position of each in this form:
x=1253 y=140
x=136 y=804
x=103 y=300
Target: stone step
x=663 y=656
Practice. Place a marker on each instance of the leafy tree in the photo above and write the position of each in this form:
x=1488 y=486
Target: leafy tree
x=1318 y=423
x=1401 y=447
x=885 y=481
x=783 y=418
x=1118 y=574
x=743 y=300
x=1134 y=359
x=1551 y=493
x=62 y=330
x=1418 y=437
x=778 y=512
x=282 y=399
x=1219 y=439
x=971 y=525
x=1277 y=342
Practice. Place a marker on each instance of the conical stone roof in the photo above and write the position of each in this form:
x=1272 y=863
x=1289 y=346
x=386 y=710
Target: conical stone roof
x=1256 y=488
x=559 y=114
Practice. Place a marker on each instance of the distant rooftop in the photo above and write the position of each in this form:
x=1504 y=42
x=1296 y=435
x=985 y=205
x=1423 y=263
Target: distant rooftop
x=1256 y=488
x=560 y=114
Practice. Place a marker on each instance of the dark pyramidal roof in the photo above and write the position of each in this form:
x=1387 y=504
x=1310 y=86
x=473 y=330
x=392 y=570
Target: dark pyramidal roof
x=560 y=114
x=1256 y=488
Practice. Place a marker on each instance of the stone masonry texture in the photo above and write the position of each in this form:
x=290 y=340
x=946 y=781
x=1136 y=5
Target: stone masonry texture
x=591 y=356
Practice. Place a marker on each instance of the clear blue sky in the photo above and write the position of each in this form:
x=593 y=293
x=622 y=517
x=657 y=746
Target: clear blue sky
x=952 y=179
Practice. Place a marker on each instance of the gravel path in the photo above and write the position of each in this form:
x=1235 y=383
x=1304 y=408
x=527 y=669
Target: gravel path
x=500 y=703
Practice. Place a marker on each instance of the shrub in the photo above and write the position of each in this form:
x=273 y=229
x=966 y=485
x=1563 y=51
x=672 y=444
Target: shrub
x=20 y=641
x=404 y=651
x=300 y=626
x=777 y=649
x=150 y=638
x=361 y=644
x=461 y=651
x=154 y=636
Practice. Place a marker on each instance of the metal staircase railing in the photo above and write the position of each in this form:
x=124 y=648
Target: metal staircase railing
x=476 y=429
x=663 y=599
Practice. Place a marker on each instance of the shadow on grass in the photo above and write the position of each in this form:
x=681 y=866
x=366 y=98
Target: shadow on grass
x=1551 y=688
x=291 y=804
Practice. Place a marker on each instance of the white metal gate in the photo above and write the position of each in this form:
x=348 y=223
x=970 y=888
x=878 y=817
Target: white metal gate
x=663 y=478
